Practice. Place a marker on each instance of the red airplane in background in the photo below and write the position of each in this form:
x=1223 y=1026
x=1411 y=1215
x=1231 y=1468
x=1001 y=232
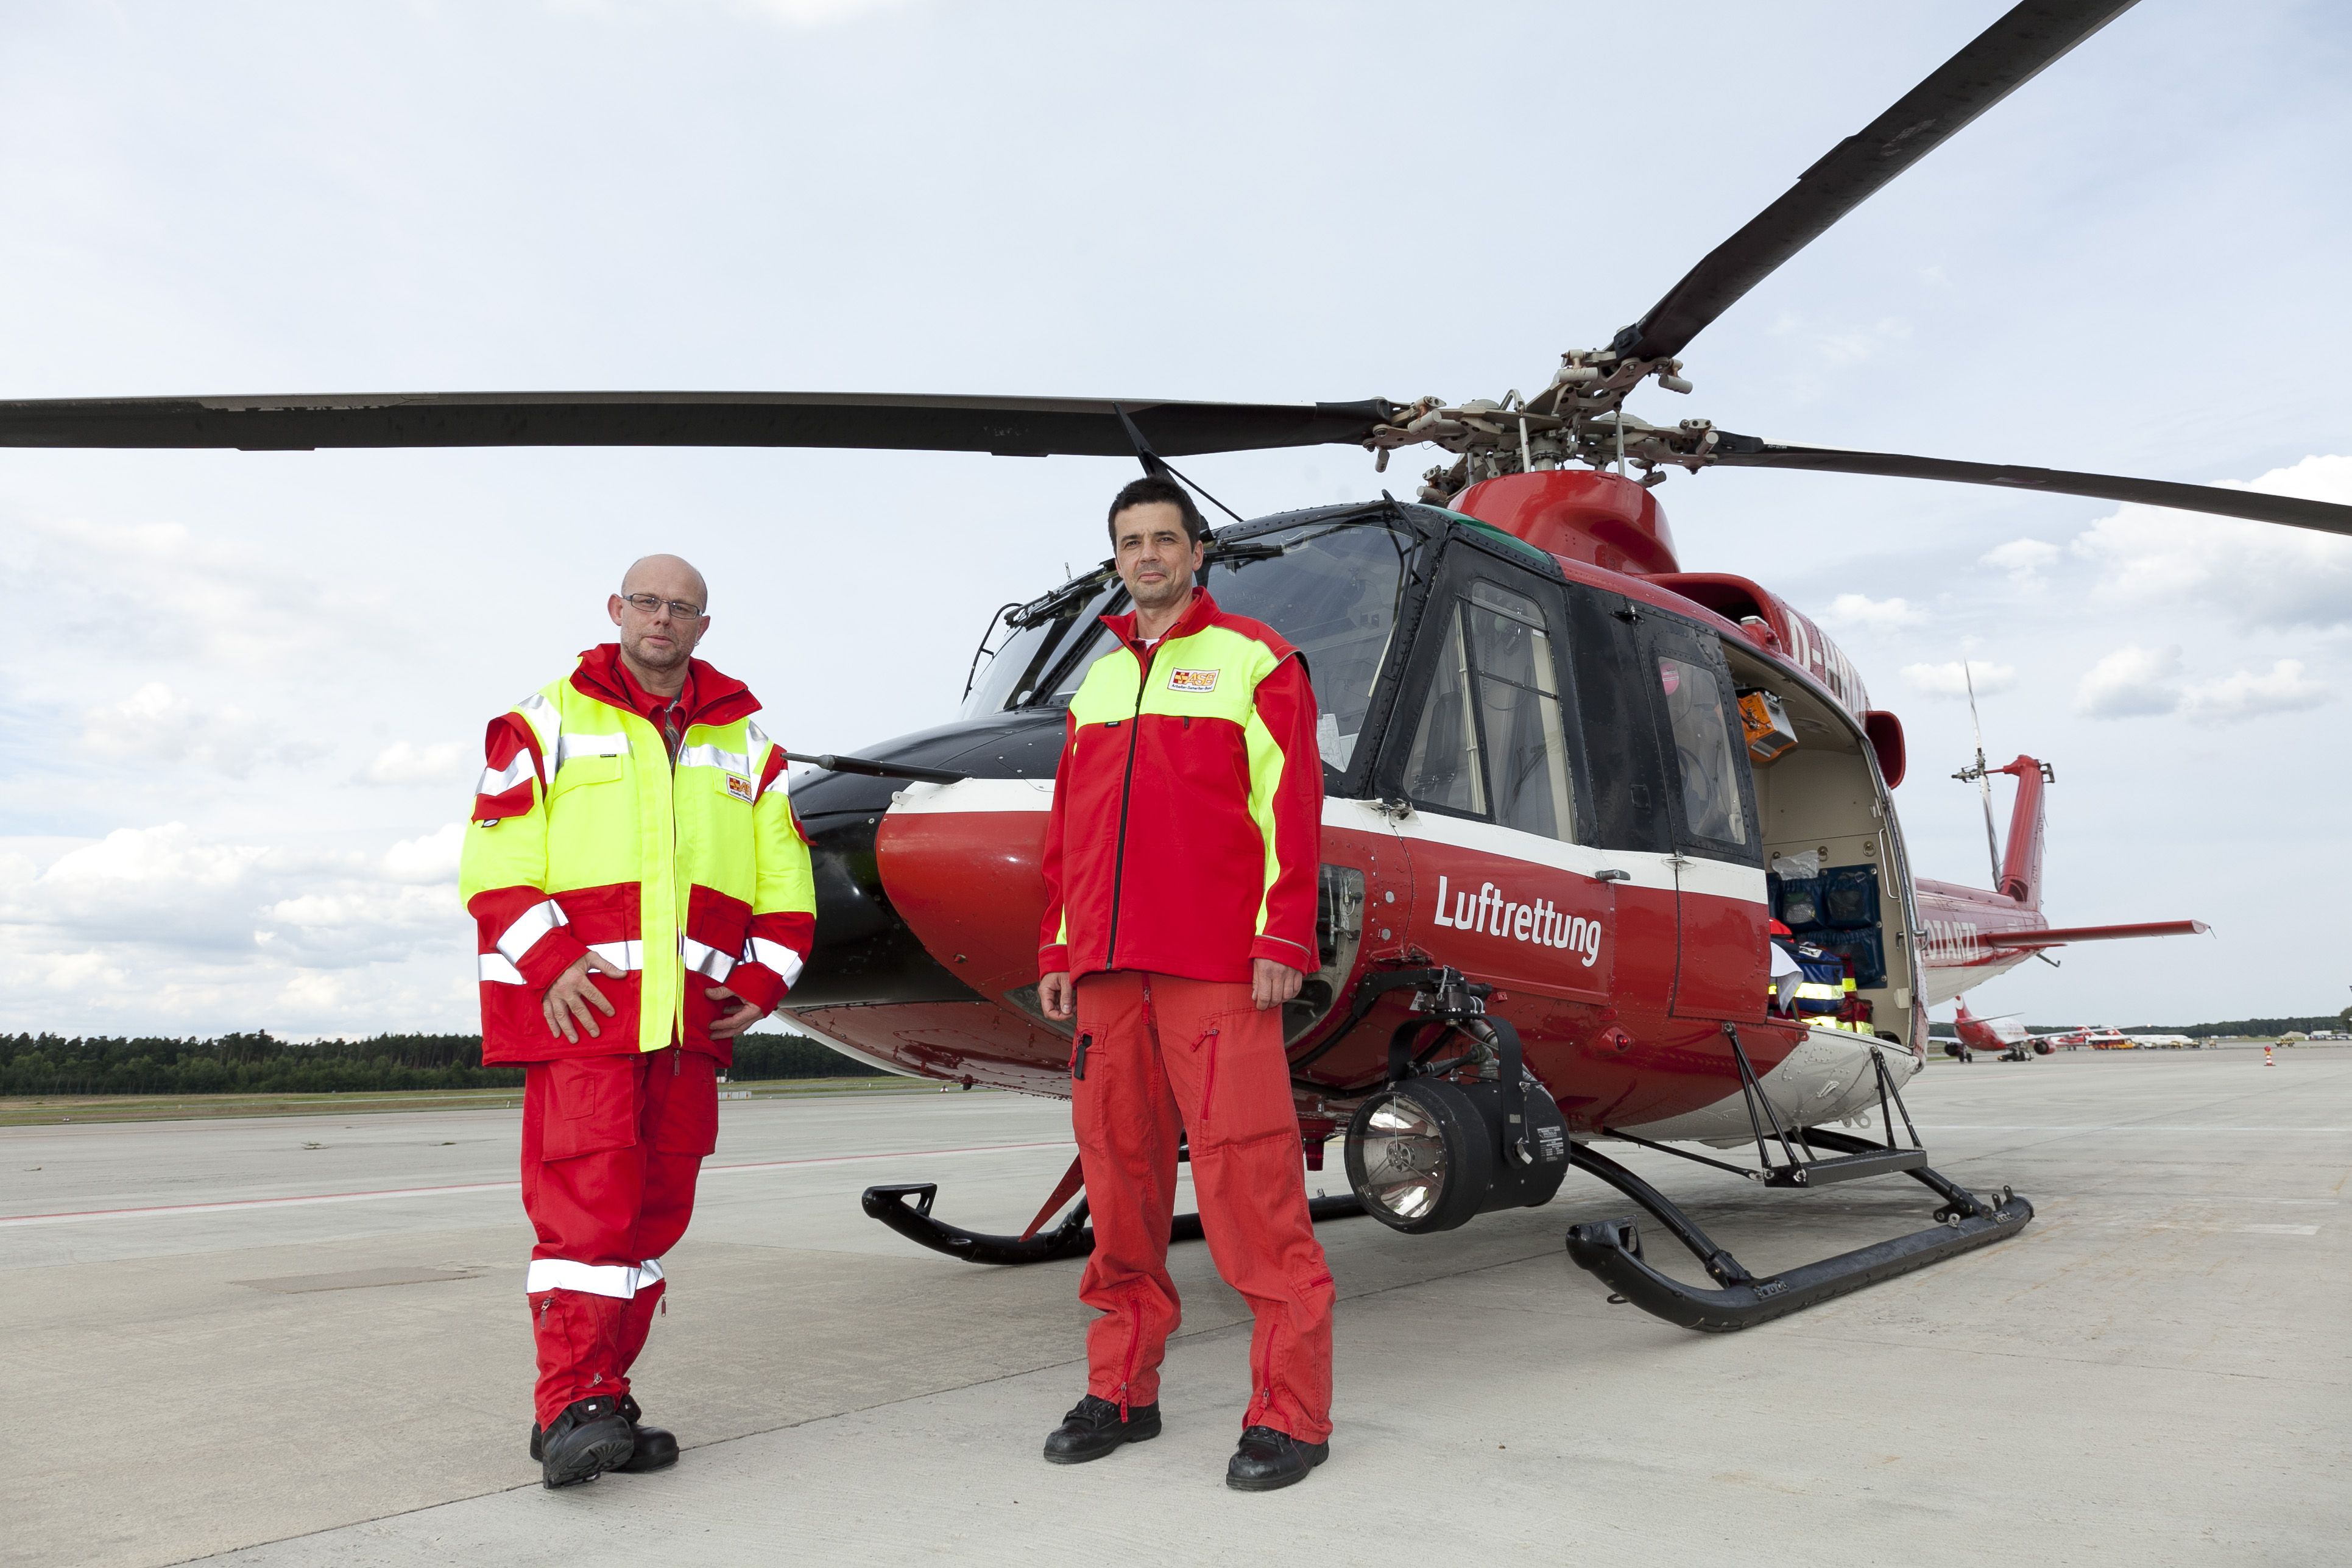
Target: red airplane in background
x=2013 y=1044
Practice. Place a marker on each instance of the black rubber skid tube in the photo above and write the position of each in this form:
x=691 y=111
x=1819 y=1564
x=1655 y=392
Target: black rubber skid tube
x=1071 y=1238
x=1611 y=1250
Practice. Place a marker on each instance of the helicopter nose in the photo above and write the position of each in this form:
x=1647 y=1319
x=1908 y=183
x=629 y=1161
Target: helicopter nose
x=917 y=886
x=865 y=952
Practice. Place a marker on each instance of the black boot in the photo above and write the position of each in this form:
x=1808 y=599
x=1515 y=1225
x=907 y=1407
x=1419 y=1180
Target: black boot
x=588 y=1438
x=1094 y=1428
x=1268 y=1459
x=657 y=1449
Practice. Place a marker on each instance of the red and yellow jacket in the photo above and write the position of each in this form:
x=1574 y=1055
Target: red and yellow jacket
x=658 y=834
x=1186 y=835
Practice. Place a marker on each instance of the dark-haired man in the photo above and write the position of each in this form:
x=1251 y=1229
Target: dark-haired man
x=1181 y=871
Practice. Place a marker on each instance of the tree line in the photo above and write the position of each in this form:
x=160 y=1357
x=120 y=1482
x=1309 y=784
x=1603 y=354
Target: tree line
x=259 y=1063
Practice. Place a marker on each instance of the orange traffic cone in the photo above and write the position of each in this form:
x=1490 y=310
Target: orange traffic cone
x=2268 y=1060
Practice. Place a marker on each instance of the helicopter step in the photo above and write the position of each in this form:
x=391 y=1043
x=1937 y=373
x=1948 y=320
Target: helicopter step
x=1846 y=1168
x=1611 y=1250
x=1074 y=1237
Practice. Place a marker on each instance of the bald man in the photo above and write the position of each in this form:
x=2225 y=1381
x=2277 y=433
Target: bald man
x=642 y=895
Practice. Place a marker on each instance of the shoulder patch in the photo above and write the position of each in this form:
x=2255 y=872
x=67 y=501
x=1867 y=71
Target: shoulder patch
x=1198 y=680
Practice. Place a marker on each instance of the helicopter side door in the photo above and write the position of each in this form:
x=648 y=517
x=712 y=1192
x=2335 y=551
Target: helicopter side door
x=1722 y=913
x=1487 y=752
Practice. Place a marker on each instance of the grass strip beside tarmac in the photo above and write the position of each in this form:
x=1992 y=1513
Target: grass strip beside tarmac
x=55 y=1109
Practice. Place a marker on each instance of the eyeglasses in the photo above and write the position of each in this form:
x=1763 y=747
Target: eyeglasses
x=650 y=605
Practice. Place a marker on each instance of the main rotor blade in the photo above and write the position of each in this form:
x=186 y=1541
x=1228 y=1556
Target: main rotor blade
x=1748 y=452
x=1012 y=427
x=2000 y=59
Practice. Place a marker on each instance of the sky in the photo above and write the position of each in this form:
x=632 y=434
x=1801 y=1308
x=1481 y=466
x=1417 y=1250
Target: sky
x=243 y=698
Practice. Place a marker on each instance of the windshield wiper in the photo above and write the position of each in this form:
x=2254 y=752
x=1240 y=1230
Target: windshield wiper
x=1037 y=609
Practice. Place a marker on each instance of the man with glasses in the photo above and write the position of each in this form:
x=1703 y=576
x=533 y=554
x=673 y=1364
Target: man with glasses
x=642 y=897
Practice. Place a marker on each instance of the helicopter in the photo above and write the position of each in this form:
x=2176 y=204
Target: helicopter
x=1569 y=786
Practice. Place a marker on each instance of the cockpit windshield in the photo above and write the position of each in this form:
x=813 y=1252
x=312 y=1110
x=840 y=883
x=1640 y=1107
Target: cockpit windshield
x=1332 y=588
x=1041 y=641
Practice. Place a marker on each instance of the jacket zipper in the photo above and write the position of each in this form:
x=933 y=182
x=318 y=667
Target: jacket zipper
x=1126 y=788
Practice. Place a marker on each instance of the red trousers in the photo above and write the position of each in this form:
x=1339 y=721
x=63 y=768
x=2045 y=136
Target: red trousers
x=611 y=1146
x=1161 y=1055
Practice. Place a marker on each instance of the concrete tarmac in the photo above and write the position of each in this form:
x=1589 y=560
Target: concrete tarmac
x=303 y=1341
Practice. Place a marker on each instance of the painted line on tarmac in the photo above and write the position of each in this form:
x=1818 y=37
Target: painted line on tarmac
x=2108 y=1127
x=231 y=1206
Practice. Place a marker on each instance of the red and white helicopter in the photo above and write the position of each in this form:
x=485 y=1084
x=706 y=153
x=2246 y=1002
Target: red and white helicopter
x=1570 y=783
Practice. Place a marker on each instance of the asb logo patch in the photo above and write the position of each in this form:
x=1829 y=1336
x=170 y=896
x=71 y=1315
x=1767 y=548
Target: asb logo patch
x=1194 y=680
x=740 y=788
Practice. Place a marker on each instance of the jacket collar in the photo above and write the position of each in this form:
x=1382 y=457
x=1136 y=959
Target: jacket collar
x=1198 y=613
x=710 y=697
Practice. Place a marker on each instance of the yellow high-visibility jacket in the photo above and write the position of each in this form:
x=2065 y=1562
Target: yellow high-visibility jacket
x=586 y=836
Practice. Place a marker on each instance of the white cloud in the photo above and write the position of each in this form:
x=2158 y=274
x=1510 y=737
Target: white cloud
x=429 y=859
x=1863 y=612
x=444 y=761
x=159 y=592
x=2023 y=559
x=2284 y=689
x=1951 y=680
x=2258 y=573
x=356 y=922
x=158 y=724
x=2132 y=682
x=2135 y=682
x=206 y=925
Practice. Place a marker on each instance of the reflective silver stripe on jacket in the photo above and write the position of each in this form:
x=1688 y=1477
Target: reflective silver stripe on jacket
x=775 y=956
x=704 y=959
x=545 y=723
x=498 y=781
x=569 y=746
x=497 y=970
x=710 y=756
x=533 y=923
x=620 y=954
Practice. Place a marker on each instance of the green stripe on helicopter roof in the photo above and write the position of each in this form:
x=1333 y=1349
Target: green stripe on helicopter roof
x=1513 y=540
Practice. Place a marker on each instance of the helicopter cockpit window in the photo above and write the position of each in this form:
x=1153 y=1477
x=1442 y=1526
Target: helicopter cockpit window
x=1519 y=708
x=1704 y=751
x=1010 y=677
x=1331 y=589
x=1491 y=732
x=1443 y=769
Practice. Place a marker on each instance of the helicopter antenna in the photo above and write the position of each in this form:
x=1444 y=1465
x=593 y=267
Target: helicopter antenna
x=1157 y=465
x=1979 y=773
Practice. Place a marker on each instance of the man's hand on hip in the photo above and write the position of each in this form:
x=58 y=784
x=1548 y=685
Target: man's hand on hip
x=568 y=1001
x=1273 y=983
x=1057 y=997
x=727 y=1026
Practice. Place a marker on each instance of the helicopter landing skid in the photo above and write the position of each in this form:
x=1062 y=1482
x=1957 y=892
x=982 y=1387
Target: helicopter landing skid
x=1074 y=1237
x=1611 y=1250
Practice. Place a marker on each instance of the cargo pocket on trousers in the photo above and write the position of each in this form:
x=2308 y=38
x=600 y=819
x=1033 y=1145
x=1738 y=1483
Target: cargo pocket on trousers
x=688 y=1123
x=593 y=1106
x=1244 y=1079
